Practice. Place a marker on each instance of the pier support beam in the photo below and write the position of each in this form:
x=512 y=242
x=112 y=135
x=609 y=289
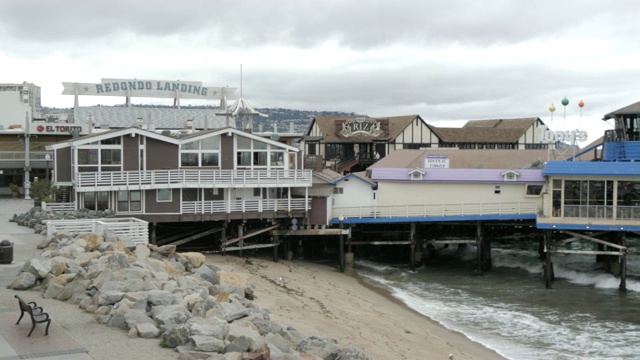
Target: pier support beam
x=154 y=226
x=412 y=239
x=548 y=265
x=623 y=263
x=483 y=250
x=341 y=245
x=300 y=250
x=241 y=236
x=348 y=257
x=275 y=248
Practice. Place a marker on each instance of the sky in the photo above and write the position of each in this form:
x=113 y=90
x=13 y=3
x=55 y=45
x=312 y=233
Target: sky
x=448 y=61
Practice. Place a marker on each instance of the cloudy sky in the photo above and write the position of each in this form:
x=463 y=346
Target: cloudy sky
x=445 y=60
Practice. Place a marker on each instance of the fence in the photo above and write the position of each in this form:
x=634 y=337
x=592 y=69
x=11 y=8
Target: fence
x=135 y=229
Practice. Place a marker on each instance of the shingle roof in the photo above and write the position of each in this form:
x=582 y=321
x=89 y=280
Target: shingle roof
x=473 y=159
x=162 y=118
x=487 y=131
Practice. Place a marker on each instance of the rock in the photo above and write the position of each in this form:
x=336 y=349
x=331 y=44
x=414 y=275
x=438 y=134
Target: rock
x=170 y=315
x=39 y=266
x=147 y=330
x=322 y=347
x=207 y=273
x=194 y=260
x=351 y=353
x=208 y=343
x=176 y=335
x=109 y=297
x=93 y=241
x=239 y=344
x=137 y=317
x=209 y=327
x=53 y=291
x=164 y=250
x=23 y=281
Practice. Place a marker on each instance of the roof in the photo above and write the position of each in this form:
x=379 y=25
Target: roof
x=593 y=168
x=161 y=118
x=469 y=159
x=479 y=134
x=327 y=127
x=629 y=109
x=517 y=123
x=458 y=175
x=152 y=134
x=358 y=175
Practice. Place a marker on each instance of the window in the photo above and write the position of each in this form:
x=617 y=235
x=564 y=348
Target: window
x=129 y=201
x=497 y=189
x=533 y=190
x=510 y=175
x=163 y=195
x=338 y=190
x=205 y=152
x=96 y=200
x=258 y=154
x=416 y=174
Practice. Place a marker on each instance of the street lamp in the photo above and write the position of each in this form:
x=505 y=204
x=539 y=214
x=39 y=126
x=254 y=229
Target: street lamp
x=47 y=158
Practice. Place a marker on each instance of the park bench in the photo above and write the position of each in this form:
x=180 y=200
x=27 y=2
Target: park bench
x=35 y=312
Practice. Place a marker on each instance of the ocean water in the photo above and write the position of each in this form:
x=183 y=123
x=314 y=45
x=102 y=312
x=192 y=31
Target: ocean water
x=508 y=309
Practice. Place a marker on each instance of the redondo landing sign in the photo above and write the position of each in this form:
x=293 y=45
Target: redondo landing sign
x=149 y=88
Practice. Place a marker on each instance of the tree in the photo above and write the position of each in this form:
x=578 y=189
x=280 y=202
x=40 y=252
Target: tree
x=42 y=190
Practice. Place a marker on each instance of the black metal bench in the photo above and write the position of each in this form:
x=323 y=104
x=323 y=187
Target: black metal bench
x=35 y=312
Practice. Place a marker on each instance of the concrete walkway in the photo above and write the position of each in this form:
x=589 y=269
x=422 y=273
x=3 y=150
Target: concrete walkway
x=14 y=343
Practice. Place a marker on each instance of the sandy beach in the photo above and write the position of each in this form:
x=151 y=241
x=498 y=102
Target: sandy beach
x=319 y=300
x=314 y=298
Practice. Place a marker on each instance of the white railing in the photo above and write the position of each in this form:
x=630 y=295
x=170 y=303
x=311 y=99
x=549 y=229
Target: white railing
x=135 y=229
x=192 y=179
x=59 y=207
x=241 y=206
x=403 y=211
x=19 y=155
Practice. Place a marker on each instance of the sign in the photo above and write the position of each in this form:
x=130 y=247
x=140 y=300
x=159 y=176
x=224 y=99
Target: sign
x=149 y=88
x=361 y=126
x=436 y=162
x=568 y=136
x=59 y=129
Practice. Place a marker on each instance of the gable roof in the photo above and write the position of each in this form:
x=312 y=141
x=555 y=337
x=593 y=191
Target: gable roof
x=327 y=127
x=516 y=123
x=87 y=139
x=361 y=175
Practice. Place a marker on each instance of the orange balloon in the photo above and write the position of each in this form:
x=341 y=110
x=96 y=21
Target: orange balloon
x=581 y=103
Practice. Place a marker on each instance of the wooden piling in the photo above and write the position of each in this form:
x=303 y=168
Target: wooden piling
x=479 y=248
x=623 y=263
x=275 y=248
x=341 y=247
x=548 y=265
x=412 y=256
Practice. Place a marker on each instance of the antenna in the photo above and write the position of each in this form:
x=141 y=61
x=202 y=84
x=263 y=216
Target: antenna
x=240 y=81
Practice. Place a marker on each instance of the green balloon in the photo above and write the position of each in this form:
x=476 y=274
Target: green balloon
x=565 y=101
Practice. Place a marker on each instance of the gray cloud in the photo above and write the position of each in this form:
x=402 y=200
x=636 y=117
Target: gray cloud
x=441 y=59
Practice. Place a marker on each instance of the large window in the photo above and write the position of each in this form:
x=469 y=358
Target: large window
x=103 y=156
x=257 y=154
x=129 y=201
x=205 y=152
x=96 y=200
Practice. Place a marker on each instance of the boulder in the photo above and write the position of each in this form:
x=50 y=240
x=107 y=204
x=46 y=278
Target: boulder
x=23 y=281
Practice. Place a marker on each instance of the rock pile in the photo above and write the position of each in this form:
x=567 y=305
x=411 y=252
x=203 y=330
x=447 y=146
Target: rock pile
x=35 y=217
x=199 y=310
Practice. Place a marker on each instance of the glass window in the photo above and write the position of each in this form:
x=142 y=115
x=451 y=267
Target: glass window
x=163 y=195
x=534 y=190
x=87 y=156
x=210 y=143
x=110 y=156
x=210 y=159
x=244 y=143
x=194 y=145
x=189 y=159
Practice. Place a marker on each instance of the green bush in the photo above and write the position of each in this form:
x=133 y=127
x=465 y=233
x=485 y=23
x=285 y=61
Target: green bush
x=42 y=190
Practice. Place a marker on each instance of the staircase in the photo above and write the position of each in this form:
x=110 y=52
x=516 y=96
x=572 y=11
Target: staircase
x=346 y=164
x=64 y=194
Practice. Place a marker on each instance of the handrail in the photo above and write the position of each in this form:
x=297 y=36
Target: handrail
x=425 y=210
x=195 y=178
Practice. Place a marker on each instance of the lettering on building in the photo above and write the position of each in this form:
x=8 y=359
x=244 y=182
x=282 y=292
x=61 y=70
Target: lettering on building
x=361 y=127
x=567 y=136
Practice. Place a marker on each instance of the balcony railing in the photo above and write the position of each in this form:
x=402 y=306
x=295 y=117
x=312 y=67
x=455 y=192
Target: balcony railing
x=19 y=155
x=150 y=179
x=404 y=211
x=602 y=212
x=242 y=206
